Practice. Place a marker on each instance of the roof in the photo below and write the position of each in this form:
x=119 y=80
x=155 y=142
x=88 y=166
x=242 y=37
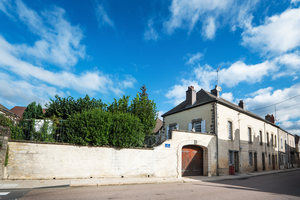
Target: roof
x=158 y=126
x=204 y=97
x=7 y=111
x=19 y=110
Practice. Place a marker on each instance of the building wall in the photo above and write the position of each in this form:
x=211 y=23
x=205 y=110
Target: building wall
x=283 y=151
x=239 y=142
x=185 y=117
x=48 y=161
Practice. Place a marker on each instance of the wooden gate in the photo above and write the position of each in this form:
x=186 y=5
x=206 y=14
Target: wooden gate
x=192 y=161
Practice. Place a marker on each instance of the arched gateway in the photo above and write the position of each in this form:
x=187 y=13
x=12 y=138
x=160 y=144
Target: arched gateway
x=192 y=160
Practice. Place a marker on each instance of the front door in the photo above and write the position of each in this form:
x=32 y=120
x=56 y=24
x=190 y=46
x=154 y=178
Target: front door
x=255 y=161
x=236 y=161
x=192 y=161
x=263 y=161
x=273 y=161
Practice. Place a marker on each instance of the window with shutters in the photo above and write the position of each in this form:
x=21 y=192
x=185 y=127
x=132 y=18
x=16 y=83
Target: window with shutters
x=230 y=130
x=250 y=158
x=249 y=135
x=272 y=141
x=281 y=143
x=268 y=139
x=197 y=126
x=275 y=141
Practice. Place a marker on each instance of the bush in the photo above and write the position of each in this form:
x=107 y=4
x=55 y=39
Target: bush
x=127 y=131
x=5 y=121
x=97 y=127
x=89 y=127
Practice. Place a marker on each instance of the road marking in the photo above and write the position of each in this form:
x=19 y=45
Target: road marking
x=4 y=193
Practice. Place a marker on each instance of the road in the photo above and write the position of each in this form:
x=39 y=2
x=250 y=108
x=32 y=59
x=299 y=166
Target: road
x=275 y=186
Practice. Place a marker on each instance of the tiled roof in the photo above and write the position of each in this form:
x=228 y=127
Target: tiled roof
x=6 y=110
x=203 y=97
x=158 y=126
x=19 y=110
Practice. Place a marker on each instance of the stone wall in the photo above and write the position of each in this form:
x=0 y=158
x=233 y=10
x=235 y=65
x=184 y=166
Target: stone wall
x=4 y=135
x=29 y=160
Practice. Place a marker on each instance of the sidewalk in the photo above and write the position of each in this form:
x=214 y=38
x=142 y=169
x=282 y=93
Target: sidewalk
x=94 y=182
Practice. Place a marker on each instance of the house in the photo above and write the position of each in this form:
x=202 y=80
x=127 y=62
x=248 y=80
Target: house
x=245 y=142
x=19 y=110
x=5 y=111
x=158 y=126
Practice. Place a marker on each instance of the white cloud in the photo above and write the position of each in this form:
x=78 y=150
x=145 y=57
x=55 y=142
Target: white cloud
x=285 y=111
x=209 y=28
x=150 y=33
x=102 y=16
x=177 y=93
x=227 y=96
x=211 y=14
x=279 y=33
x=295 y=1
x=205 y=76
x=160 y=113
x=21 y=92
x=193 y=58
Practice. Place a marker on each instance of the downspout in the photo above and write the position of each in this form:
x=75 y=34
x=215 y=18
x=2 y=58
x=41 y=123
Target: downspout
x=217 y=137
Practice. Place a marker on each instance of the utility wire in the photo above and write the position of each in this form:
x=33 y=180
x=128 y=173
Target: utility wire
x=276 y=103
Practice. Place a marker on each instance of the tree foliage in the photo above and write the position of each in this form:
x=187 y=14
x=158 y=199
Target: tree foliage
x=143 y=93
x=63 y=108
x=97 y=127
x=33 y=111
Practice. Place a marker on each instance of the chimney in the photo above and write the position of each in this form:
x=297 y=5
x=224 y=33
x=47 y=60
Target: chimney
x=216 y=91
x=269 y=118
x=190 y=96
x=242 y=104
x=272 y=119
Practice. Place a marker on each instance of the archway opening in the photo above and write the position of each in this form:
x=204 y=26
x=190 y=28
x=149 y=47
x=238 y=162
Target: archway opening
x=192 y=160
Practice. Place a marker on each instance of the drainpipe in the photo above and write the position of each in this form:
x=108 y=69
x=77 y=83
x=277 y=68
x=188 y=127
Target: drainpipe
x=217 y=136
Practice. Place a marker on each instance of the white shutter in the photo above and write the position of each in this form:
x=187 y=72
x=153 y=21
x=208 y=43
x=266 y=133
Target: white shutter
x=167 y=133
x=203 y=129
x=177 y=126
x=190 y=126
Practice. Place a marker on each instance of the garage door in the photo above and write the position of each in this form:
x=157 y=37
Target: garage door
x=192 y=161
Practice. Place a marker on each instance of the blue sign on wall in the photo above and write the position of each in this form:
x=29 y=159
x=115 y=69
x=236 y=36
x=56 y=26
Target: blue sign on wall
x=167 y=145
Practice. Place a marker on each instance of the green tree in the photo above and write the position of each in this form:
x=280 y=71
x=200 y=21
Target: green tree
x=63 y=108
x=143 y=93
x=120 y=106
x=33 y=111
x=145 y=110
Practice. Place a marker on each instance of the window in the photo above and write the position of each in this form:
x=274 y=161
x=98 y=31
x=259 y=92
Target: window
x=171 y=127
x=272 y=143
x=275 y=141
x=249 y=135
x=230 y=130
x=260 y=136
x=197 y=126
x=281 y=143
x=250 y=158
x=276 y=159
x=230 y=157
x=268 y=139
x=269 y=159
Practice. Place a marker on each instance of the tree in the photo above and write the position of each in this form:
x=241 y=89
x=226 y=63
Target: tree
x=33 y=111
x=63 y=108
x=145 y=110
x=143 y=93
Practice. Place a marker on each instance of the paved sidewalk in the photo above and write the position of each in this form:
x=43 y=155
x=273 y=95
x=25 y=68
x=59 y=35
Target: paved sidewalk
x=94 y=182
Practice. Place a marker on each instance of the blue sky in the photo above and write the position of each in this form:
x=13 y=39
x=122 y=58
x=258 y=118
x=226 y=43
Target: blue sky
x=107 y=49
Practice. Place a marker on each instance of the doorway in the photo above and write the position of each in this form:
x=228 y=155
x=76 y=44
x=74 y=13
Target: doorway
x=255 y=161
x=263 y=161
x=273 y=161
x=236 y=161
x=192 y=161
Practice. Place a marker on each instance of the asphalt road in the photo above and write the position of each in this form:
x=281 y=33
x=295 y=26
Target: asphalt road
x=276 y=186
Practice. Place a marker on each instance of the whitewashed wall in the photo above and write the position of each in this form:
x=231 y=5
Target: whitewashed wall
x=47 y=161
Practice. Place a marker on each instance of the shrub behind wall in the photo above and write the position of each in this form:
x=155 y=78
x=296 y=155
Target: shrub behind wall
x=97 y=127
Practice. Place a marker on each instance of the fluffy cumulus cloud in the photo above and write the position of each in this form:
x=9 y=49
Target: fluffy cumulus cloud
x=227 y=96
x=278 y=34
x=102 y=16
x=286 y=100
x=209 y=14
x=59 y=44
